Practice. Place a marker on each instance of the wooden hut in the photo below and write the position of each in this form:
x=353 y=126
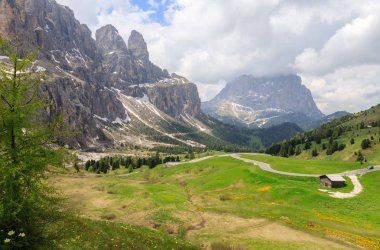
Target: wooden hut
x=332 y=181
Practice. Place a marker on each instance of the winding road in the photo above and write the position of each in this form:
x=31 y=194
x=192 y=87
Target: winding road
x=266 y=167
x=358 y=188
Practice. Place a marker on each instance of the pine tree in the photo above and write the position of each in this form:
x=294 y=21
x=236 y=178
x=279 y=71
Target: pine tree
x=24 y=143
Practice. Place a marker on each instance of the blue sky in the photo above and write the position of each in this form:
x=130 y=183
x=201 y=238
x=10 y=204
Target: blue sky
x=157 y=7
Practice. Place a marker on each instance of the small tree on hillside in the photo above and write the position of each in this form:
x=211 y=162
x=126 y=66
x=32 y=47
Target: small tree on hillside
x=360 y=157
x=298 y=150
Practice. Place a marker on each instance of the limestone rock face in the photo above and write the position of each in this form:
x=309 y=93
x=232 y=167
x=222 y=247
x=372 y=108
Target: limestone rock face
x=264 y=101
x=85 y=78
x=137 y=46
x=176 y=96
x=124 y=65
x=108 y=39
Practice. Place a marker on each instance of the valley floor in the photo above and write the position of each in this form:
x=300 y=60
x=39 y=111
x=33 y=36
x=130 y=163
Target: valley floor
x=223 y=201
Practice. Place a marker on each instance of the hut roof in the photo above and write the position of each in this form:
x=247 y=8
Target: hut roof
x=334 y=177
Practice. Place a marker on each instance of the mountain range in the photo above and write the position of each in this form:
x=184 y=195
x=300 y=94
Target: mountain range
x=109 y=91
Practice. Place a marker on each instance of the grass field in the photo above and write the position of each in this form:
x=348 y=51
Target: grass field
x=305 y=166
x=223 y=201
x=80 y=233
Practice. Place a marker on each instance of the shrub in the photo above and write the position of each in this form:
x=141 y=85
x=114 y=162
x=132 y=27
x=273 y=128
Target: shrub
x=366 y=143
x=314 y=153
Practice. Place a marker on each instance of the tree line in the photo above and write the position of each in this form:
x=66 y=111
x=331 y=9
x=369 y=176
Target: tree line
x=108 y=163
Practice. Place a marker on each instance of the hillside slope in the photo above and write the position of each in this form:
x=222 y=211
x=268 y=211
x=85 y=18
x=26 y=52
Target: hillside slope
x=347 y=138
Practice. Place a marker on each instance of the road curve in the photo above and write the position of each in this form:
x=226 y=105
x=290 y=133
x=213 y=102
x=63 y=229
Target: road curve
x=358 y=188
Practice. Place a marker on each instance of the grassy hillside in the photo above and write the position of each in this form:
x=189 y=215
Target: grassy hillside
x=340 y=140
x=223 y=202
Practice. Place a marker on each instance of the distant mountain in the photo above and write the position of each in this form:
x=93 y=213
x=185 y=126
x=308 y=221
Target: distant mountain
x=109 y=91
x=264 y=102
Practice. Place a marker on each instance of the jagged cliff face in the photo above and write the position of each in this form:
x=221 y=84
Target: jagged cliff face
x=125 y=66
x=181 y=98
x=264 y=101
x=86 y=77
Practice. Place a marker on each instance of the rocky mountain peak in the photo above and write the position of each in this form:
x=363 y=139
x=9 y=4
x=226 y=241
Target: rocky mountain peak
x=138 y=46
x=264 y=101
x=108 y=39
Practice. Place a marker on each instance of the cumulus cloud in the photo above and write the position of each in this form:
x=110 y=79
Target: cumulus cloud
x=349 y=88
x=332 y=44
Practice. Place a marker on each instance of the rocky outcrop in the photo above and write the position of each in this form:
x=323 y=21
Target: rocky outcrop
x=176 y=96
x=129 y=69
x=138 y=47
x=125 y=66
x=264 y=101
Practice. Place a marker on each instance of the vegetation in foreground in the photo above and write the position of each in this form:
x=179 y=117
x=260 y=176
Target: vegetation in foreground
x=81 y=233
x=26 y=204
x=192 y=200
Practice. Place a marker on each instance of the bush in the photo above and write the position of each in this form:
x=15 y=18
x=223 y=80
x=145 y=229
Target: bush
x=360 y=157
x=366 y=143
x=314 y=153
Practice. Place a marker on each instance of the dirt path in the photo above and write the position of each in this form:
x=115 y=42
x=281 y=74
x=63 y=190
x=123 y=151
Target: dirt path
x=358 y=188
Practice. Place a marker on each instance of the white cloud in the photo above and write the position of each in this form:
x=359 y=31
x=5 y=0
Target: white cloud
x=328 y=42
x=349 y=88
x=154 y=4
x=207 y=91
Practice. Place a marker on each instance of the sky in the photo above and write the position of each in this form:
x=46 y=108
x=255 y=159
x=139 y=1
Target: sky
x=333 y=45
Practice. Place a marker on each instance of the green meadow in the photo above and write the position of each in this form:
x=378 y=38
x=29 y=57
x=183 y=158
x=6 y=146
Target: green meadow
x=295 y=165
x=224 y=203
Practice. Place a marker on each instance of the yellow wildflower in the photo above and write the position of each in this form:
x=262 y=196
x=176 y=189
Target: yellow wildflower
x=22 y=235
x=7 y=241
x=265 y=188
x=10 y=233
